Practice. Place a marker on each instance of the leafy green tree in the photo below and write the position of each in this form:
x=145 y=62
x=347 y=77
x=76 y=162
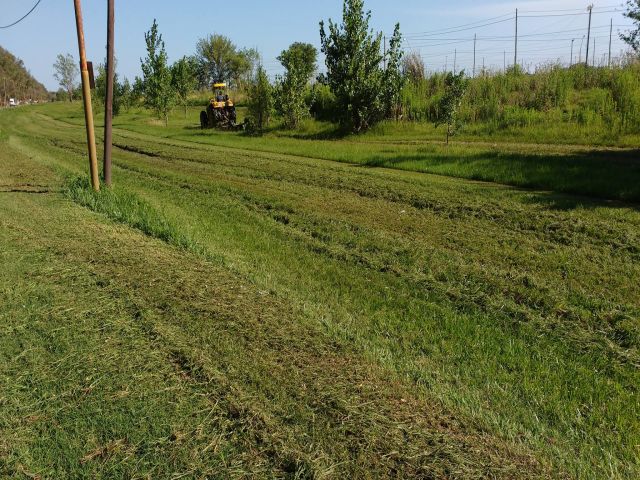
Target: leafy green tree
x=137 y=91
x=394 y=80
x=250 y=60
x=159 y=95
x=121 y=90
x=365 y=89
x=455 y=87
x=219 y=60
x=183 y=78
x=299 y=61
x=260 y=100
x=66 y=73
x=125 y=95
x=633 y=37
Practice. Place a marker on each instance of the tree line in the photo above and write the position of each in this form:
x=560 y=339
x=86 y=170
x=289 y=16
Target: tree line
x=16 y=81
x=363 y=83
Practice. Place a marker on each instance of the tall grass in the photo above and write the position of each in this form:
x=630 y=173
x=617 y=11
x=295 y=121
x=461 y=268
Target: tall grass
x=605 y=99
x=127 y=208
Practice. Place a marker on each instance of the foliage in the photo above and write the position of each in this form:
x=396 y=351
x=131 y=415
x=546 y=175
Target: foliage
x=66 y=73
x=183 y=79
x=220 y=60
x=122 y=91
x=365 y=89
x=413 y=67
x=633 y=37
x=299 y=62
x=159 y=94
x=323 y=102
x=604 y=99
x=455 y=86
x=260 y=100
x=393 y=78
x=16 y=81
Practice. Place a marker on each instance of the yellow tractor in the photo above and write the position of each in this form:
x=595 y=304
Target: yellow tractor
x=221 y=112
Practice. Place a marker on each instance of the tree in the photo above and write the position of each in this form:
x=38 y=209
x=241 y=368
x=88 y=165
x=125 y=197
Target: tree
x=455 y=86
x=413 y=67
x=633 y=37
x=299 y=61
x=121 y=90
x=159 y=95
x=248 y=67
x=365 y=90
x=260 y=99
x=183 y=79
x=219 y=60
x=66 y=73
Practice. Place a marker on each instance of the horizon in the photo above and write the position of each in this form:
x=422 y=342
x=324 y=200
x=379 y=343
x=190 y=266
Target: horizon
x=442 y=36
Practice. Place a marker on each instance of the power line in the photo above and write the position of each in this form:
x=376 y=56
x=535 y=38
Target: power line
x=568 y=14
x=456 y=29
x=571 y=9
x=23 y=18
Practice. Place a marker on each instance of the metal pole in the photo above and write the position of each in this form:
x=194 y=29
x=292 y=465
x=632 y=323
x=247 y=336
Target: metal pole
x=108 y=102
x=515 y=54
x=86 y=95
x=474 y=53
x=590 y=8
x=610 y=35
x=455 y=60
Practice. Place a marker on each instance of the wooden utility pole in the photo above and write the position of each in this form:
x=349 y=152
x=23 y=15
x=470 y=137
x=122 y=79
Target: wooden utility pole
x=475 y=38
x=610 y=35
x=571 y=57
x=108 y=101
x=86 y=95
x=515 y=52
x=590 y=8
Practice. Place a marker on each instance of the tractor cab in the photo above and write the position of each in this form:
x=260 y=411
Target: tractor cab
x=221 y=112
x=221 y=99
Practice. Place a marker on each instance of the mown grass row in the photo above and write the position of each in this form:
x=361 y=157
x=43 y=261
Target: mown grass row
x=516 y=308
x=125 y=357
x=605 y=173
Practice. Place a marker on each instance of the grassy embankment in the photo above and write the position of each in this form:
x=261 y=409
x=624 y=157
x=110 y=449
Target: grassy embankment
x=316 y=317
x=606 y=172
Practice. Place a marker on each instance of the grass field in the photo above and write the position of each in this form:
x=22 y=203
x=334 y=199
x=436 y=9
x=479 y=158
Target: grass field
x=284 y=306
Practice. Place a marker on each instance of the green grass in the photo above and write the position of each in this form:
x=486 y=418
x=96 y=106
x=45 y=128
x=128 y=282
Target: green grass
x=611 y=172
x=346 y=299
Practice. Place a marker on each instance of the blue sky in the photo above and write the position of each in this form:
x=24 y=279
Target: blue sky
x=546 y=28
